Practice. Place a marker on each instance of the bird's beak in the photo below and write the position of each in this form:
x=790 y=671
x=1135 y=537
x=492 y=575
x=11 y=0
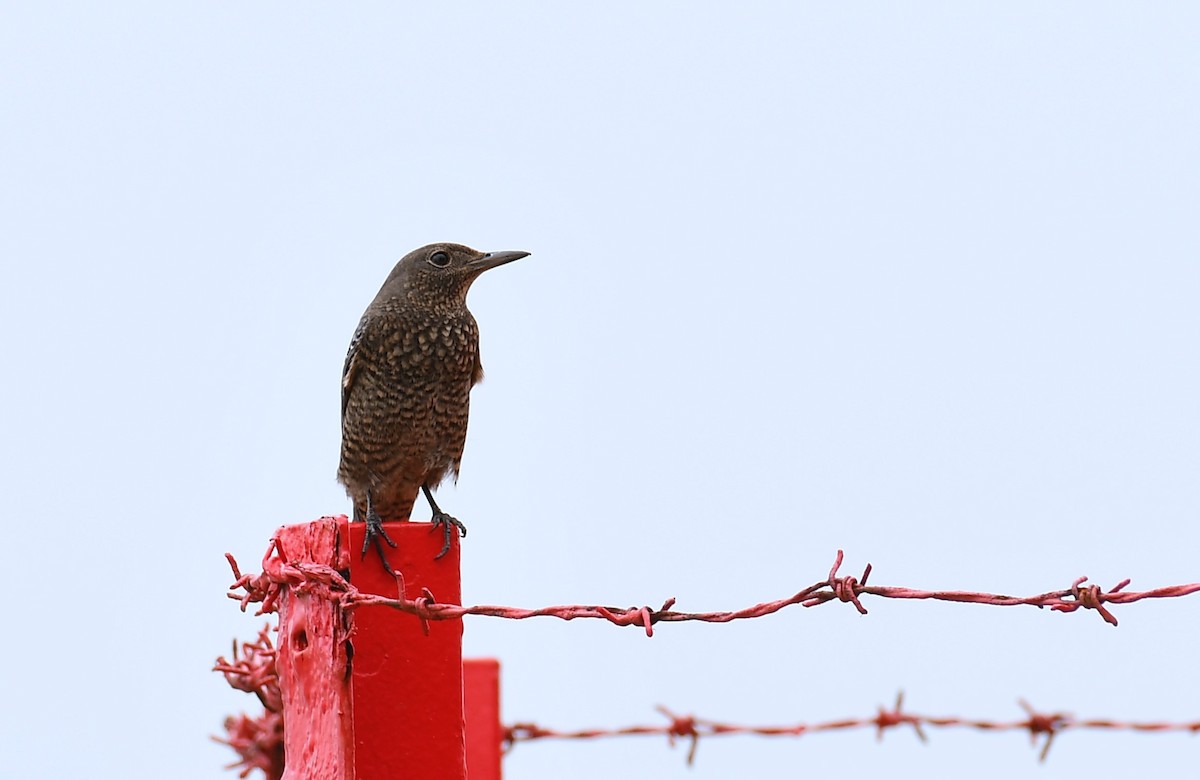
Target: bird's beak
x=493 y=259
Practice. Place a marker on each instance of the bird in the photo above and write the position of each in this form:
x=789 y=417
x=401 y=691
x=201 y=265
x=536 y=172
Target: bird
x=406 y=387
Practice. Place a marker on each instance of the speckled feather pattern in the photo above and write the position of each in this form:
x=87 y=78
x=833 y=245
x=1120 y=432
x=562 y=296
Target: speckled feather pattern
x=406 y=385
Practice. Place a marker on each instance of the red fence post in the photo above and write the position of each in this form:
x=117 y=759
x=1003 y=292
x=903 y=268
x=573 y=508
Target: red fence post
x=485 y=733
x=370 y=695
x=311 y=662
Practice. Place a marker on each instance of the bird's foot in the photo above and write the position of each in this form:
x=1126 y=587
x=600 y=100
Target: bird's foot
x=447 y=522
x=375 y=533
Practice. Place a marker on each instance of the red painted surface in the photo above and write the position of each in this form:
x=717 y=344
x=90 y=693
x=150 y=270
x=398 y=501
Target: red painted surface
x=311 y=662
x=383 y=699
x=485 y=734
x=407 y=686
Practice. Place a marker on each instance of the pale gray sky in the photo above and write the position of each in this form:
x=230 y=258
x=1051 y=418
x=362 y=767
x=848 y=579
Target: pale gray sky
x=919 y=281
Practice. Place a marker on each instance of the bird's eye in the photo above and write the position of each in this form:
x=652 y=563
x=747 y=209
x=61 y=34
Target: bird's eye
x=439 y=259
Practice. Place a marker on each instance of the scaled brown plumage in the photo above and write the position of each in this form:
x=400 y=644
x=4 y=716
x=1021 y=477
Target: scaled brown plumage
x=406 y=386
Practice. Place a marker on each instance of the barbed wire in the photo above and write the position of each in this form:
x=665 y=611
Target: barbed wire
x=258 y=741
x=1040 y=726
x=327 y=582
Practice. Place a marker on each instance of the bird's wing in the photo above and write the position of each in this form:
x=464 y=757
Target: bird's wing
x=350 y=369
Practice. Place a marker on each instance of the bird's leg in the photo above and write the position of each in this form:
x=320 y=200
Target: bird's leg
x=374 y=533
x=445 y=521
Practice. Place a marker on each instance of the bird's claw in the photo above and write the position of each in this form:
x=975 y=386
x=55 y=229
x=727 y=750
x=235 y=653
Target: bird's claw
x=375 y=533
x=447 y=522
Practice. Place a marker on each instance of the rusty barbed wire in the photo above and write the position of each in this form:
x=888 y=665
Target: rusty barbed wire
x=258 y=741
x=1040 y=726
x=326 y=582
x=253 y=669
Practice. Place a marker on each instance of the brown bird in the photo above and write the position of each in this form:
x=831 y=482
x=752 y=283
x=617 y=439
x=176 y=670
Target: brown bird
x=406 y=387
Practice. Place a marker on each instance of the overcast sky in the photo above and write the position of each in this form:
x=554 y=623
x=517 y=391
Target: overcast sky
x=919 y=281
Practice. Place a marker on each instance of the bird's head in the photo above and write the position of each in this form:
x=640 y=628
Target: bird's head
x=440 y=274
